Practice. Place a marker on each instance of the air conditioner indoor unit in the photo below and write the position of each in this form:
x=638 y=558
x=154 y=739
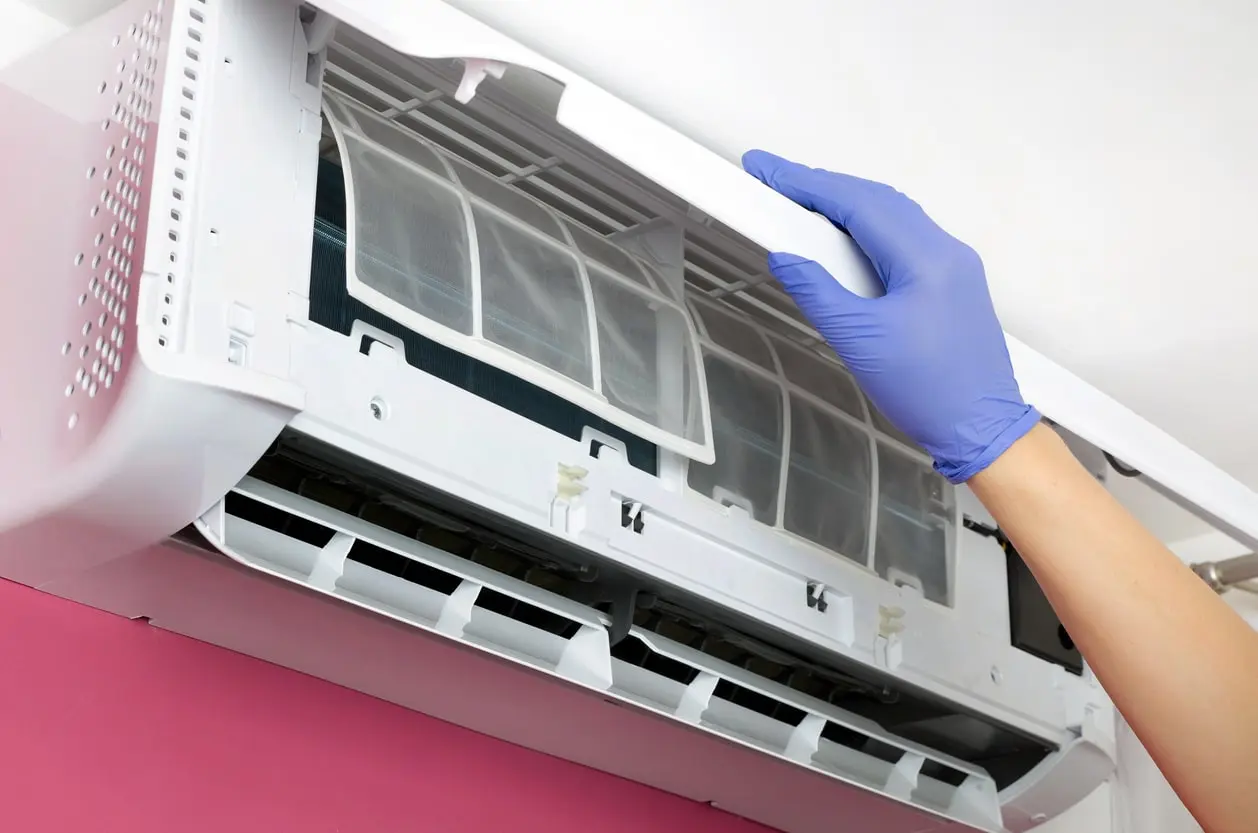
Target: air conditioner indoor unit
x=362 y=339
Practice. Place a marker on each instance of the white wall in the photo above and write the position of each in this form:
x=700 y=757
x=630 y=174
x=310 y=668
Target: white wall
x=23 y=28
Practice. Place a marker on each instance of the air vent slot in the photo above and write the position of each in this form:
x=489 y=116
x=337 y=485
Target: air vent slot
x=634 y=652
x=407 y=569
x=270 y=517
x=534 y=617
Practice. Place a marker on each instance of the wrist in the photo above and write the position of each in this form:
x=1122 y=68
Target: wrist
x=1016 y=428
x=1028 y=453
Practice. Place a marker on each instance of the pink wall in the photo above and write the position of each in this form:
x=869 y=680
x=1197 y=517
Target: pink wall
x=111 y=725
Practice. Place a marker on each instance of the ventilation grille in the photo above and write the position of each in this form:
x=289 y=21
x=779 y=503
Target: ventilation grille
x=413 y=579
x=116 y=178
x=562 y=171
x=189 y=54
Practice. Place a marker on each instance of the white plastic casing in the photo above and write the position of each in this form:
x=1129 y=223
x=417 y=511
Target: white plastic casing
x=106 y=450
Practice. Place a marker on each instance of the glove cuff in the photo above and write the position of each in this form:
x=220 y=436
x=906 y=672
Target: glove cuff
x=1015 y=431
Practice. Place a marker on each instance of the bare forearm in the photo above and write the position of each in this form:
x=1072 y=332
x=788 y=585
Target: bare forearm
x=1180 y=665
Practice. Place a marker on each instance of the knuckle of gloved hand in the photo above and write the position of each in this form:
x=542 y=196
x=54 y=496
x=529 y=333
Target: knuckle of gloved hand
x=955 y=261
x=967 y=258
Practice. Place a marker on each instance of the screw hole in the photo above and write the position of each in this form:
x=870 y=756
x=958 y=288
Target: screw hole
x=379 y=410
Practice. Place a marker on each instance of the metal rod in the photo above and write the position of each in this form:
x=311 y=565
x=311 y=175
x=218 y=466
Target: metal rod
x=1221 y=575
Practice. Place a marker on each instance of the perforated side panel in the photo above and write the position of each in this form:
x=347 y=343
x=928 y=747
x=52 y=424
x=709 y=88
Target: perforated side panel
x=189 y=32
x=108 y=257
x=78 y=121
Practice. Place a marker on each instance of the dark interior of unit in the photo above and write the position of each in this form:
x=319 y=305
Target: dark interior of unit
x=344 y=482
x=1033 y=624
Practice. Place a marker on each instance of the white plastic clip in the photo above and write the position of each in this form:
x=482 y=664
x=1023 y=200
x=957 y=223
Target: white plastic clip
x=570 y=481
x=888 y=647
x=474 y=72
x=319 y=32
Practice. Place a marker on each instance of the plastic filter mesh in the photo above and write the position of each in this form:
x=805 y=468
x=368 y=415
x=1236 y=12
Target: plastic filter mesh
x=534 y=303
x=913 y=511
x=821 y=378
x=412 y=239
x=747 y=428
x=435 y=242
x=828 y=486
x=632 y=327
x=736 y=336
x=829 y=477
x=331 y=306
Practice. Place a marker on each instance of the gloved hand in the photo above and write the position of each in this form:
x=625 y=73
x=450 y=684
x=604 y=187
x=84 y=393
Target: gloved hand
x=930 y=353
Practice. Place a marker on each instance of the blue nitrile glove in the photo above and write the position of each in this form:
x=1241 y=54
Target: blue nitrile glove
x=930 y=352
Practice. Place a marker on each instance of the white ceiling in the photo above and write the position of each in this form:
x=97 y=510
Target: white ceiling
x=1101 y=157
